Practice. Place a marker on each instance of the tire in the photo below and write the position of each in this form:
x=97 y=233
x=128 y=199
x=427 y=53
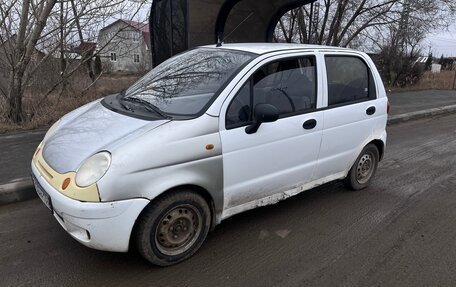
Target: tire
x=173 y=227
x=364 y=168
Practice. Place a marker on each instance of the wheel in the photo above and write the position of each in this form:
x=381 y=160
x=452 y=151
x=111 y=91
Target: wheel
x=363 y=169
x=173 y=227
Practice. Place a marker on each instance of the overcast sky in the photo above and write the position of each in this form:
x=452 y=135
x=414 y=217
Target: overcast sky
x=442 y=43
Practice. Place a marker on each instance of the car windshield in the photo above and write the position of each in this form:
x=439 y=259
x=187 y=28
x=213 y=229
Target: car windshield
x=186 y=83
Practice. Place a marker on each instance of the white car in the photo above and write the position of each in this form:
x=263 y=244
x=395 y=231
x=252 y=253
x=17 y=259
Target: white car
x=210 y=133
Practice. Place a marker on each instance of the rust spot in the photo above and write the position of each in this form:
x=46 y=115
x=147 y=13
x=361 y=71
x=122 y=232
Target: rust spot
x=209 y=146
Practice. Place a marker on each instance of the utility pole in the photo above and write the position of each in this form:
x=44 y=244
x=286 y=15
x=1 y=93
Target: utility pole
x=404 y=25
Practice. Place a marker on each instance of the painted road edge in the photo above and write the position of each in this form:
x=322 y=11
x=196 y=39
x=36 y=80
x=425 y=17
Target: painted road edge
x=22 y=189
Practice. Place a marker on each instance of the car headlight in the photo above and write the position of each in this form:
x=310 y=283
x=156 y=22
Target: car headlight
x=93 y=169
x=51 y=131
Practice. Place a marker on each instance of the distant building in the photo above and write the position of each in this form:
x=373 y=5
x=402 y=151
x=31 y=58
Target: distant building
x=84 y=50
x=436 y=68
x=125 y=47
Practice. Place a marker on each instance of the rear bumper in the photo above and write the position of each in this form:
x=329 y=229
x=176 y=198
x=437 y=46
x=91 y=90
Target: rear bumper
x=103 y=226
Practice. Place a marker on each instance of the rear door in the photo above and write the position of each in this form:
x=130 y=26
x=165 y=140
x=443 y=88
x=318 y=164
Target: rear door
x=281 y=155
x=351 y=109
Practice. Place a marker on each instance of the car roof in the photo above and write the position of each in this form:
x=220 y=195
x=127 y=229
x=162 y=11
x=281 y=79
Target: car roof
x=264 y=48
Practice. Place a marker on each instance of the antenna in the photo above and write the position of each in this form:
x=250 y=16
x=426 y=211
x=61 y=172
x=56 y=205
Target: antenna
x=221 y=40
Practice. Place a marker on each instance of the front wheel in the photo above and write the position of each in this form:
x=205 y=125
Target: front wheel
x=173 y=228
x=363 y=169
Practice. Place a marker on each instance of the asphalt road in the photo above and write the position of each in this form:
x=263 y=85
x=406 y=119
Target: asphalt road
x=16 y=152
x=407 y=102
x=399 y=232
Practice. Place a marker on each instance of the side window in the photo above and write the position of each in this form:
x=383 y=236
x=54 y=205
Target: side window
x=290 y=85
x=349 y=80
x=240 y=112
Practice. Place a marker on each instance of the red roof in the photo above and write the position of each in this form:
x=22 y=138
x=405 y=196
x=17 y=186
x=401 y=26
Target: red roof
x=142 y=27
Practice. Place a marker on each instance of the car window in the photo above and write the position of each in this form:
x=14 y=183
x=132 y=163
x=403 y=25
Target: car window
x=349 y=80
x=186 y=83
x=239 y=112
x=290 y=85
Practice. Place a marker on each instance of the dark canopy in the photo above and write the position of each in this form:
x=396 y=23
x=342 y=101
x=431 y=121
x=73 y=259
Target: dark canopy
x=177 y=25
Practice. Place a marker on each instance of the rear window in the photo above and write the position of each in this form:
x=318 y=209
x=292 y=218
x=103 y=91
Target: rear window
x=349 y=80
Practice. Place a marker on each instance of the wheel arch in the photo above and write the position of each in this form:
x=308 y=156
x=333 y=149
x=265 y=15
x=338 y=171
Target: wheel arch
x=380 y=146
x=195 y=188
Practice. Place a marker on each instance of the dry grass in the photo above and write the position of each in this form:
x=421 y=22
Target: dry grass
x=430 y=81
x=44 y=113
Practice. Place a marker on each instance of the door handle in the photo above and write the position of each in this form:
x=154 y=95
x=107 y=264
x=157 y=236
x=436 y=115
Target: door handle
x=370 y=111
x=310 y=124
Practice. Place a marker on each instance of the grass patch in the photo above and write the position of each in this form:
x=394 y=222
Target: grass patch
x=45 y=112
x=431 y=81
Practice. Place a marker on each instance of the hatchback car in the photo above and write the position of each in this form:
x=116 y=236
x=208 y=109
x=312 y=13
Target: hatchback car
x=210 y=133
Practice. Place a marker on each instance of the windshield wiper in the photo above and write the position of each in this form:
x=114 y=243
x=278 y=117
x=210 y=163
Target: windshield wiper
x=148 y=106
x=121 y=102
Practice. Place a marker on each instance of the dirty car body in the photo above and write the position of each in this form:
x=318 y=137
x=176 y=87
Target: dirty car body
x=239 y=126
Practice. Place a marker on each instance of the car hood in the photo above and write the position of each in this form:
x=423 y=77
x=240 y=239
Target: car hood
x=89 y=130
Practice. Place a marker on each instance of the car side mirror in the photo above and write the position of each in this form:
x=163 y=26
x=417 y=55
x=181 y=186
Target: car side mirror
x=263 y=113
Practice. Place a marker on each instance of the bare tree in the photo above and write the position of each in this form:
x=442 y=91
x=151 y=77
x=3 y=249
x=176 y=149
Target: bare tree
x=350 y=22
x=35 y=32
x=32 y=20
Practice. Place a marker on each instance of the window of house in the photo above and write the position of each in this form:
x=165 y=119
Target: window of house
x=349 y=80
x=136 y=37
x=290 y=85
x=113 y=57
x=136 y=58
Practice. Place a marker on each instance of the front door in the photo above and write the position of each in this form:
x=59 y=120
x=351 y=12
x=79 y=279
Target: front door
x=281 y=156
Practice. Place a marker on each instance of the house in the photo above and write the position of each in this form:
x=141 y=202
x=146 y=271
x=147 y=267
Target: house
x=124 y=46
x=85 y=49
x=436 y=68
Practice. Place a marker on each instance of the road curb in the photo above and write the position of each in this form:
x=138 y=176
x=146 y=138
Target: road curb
x=421 y=114
x=22 y=189
x=17 y=190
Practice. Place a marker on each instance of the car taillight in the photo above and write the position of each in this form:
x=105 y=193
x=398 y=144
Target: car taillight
x=388 y=107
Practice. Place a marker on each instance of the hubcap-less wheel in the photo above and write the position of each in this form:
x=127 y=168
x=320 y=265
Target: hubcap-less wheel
x=365 y=168
x=178 y=230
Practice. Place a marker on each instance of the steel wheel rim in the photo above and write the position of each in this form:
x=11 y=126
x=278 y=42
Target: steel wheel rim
x=365 y=168
x=178 y=230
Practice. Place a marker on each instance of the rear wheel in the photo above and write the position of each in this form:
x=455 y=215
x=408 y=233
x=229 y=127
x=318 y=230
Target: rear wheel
x=173 y=227
x=363 y=169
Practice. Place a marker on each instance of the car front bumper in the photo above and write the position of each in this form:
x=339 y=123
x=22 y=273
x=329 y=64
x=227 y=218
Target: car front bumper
x=103 y=226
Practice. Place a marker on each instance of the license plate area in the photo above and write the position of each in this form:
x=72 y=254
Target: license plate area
x=43 y=195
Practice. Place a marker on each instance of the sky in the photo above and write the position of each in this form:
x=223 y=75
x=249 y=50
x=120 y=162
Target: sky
x=442 y=43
